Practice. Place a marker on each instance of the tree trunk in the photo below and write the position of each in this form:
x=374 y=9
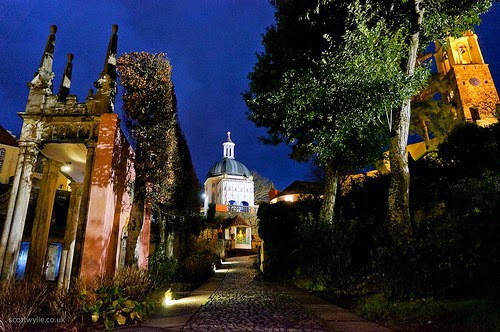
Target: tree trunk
x=425 y=130
x=399 y=190
x=163 y=232
x=328 y=208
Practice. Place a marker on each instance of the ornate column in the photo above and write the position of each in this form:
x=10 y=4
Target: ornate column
x=83 y=212
x=18 y=207
x=70 y=236
x=11 y=206
x=43 y=216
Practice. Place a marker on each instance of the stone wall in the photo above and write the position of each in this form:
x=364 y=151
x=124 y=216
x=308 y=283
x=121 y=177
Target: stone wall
x=473 y=87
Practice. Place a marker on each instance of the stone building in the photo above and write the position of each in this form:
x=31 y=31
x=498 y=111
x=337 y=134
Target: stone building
x=82 y=143
x=471 y=88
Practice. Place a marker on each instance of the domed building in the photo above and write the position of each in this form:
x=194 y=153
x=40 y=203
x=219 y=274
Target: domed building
x=229 y=183
x=229 y=186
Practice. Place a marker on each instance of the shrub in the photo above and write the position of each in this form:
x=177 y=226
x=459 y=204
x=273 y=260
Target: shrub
x=324 y=256
x=68 y=305
x=118 y=300
x=136 y=283
x=454 y=251
x=197 y=268
x=109 y=306
x=165 y=271
x=20 y=300
x=433 y=315
x=279 y=228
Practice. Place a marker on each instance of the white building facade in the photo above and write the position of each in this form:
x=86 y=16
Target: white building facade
x=229 y=184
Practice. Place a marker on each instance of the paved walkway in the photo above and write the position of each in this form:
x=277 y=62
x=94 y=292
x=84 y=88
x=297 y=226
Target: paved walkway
x=236 y=300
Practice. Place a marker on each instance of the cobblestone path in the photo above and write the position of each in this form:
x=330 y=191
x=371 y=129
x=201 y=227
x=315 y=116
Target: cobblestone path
x=245 y=303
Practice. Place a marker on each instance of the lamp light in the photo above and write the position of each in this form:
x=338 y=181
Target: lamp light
x=168 y=301
x=66 y=167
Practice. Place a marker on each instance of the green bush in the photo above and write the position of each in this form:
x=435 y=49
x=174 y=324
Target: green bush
x=455 y=254
x=110 y=307
x=197 y=268
x=454 y=250
x=279 y=228
x=324 y=255
x=427 y=314
x=455 y=247
x=119 y=299
x=165 y=271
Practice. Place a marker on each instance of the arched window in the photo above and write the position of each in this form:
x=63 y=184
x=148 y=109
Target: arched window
x=2 y=158
x=244 y=203
x=463 y=54
x=231 y=202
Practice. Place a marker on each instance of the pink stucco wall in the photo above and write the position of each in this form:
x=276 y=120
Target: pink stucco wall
x=110 y=201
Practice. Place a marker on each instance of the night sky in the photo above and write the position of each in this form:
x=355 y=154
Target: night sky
x=211 y=45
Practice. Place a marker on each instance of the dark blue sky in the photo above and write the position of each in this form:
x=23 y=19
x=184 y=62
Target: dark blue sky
x=211 y=45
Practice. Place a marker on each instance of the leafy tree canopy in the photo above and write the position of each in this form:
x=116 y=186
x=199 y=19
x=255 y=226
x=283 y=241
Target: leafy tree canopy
x=338 y=107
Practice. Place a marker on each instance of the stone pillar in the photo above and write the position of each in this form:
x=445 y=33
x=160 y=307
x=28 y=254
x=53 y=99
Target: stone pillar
x=70 y=236
x=83 y=211
x=43 y=216
x=18 y=206
x=11 y=206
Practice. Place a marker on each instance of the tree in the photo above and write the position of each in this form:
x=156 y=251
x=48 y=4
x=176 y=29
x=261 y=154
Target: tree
x=261 y=187
x=148 y=111
x=149 y=114
x=335 y=106
x=165 y=176
x=431 y=117
x=315 y=173
x=295 y=44
x=422 y=21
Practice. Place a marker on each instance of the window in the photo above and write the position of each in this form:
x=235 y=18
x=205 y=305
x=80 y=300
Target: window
x=474 y=113
x=463 y=54
x=2 y=158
